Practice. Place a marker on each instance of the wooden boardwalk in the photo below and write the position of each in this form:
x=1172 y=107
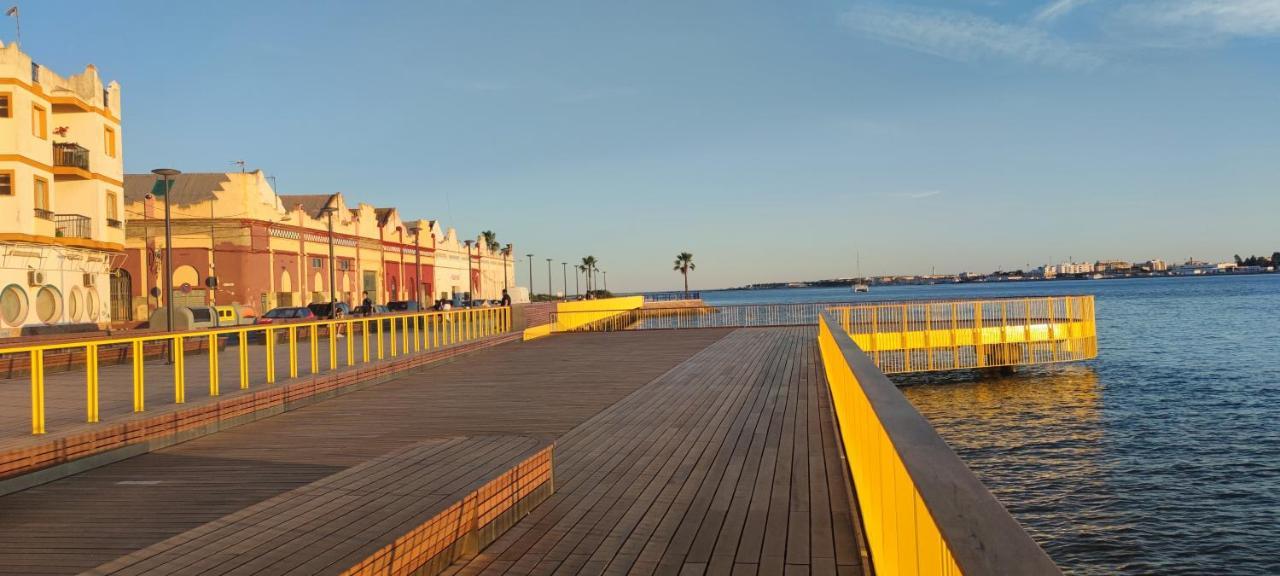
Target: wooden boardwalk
x=726 y=464
x=677 y=451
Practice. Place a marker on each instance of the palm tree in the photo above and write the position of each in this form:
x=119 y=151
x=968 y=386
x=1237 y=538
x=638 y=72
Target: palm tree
x=589 y=266
x=491 y=240
x=684 y=263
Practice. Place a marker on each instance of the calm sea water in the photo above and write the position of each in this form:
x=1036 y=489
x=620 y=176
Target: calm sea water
x=1162 y=456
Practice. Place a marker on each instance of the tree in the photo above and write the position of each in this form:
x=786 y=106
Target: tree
x=1275 y=259
x=589 y=264
x=1239 y=262
x=491 y=240
x=684 y=263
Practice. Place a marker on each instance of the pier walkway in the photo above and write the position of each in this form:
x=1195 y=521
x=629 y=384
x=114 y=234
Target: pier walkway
x=675 y=452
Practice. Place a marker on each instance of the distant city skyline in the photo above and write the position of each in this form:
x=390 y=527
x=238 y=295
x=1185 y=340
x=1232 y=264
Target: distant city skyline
x=771 y=141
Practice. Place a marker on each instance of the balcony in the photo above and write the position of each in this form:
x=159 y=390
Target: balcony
x=112 y=222
x=70 y=155
x=43 y=214
x=72 y=226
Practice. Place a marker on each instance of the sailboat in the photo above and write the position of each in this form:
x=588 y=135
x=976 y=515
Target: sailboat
x=860 y=286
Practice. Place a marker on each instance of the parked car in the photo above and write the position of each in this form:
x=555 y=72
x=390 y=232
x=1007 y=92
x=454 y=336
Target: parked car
x=321 y=309
x=364 y=310
x=285 y=315
x=403 y=306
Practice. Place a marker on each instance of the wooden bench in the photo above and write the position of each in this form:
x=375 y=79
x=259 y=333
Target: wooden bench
x=414 y=511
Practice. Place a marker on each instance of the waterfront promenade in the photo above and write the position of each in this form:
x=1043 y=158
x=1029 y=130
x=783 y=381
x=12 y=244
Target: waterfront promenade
x=689 y=450
x=592 y=443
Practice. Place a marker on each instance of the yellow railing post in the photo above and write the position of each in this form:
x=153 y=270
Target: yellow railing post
x=179 y=370
x=404 y=334
x=244 y=359
x=333 y=344
x=313 y=346
x=271 y=356
x=392 y=339
x=213 y=365
x=417 y=331
x=37 y=391
x=91 y=377
x=293 y=353
x=351 y=345
x=364 y=341
x=139 y=377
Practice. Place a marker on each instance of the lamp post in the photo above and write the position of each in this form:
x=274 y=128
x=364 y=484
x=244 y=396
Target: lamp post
x=550 y=290
x=470 y=288
x=577 y=292
x=505 y=252
x=530 y=256
x=606 y=280
x=417 y=260
x=167 y=173
x=333 y=285
x=564 y=273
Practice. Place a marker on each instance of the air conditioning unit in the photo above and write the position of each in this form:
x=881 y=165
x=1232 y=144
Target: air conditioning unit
x=88 y=280
x=35 y=278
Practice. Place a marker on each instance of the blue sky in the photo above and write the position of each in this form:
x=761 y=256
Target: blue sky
x=772 y=140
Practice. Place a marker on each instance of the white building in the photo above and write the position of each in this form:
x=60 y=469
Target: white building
x=61 y=172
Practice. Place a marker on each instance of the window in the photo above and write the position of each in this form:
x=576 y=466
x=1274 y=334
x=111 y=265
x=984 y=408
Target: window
x=13 y=305
x=316 y=263
x=6 y=106
x=42 y=194
x=112 y=214
x=6 y=183
x=39 y=122
x=109 y=141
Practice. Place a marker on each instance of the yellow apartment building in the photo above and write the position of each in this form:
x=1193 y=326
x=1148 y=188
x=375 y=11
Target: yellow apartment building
x=61 y=218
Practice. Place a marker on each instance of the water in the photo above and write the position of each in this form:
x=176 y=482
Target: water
x=1161 y=456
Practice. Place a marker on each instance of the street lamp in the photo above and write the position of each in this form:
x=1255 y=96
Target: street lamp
x=530 y=275
x=606 y=280
x=577 y=292
x=564 y=273
x=505 y=252
x=167 y=174
x=470 y=288
x=550 y=290
x=333 y=292
x=417 y=260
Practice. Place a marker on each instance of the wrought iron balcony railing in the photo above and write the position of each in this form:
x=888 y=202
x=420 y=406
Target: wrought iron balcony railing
x=71 y=155
x=72 y=225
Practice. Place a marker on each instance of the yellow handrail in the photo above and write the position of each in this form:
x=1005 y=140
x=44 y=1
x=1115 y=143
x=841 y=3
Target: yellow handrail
x=950 y=335
x=417 y=331
x=922 y=510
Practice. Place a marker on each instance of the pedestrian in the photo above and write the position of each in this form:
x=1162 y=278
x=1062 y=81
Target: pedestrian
x=506 y=298
x=367 y=304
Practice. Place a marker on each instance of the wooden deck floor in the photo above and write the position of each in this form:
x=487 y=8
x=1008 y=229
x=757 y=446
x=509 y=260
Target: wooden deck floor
x=726 y=464
x=677 y=452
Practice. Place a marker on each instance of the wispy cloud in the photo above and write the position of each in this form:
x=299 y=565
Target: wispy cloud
x=964 y=37
x=1057 y=9
x=1220 y=18
x=917 y=195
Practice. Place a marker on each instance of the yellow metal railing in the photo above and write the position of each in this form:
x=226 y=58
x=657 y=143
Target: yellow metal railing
x=922 y=510
x=391 y=335
x=949 y=335
x=581 y=315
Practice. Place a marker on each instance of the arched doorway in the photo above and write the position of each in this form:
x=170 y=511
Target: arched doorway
x=121 y=296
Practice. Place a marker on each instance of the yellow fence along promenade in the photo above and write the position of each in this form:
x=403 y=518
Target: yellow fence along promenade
x=923 y=511
x=366 y=339
x=924 y=336
x=581 y=314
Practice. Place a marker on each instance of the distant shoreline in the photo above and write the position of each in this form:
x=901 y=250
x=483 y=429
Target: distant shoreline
x=985 y=280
